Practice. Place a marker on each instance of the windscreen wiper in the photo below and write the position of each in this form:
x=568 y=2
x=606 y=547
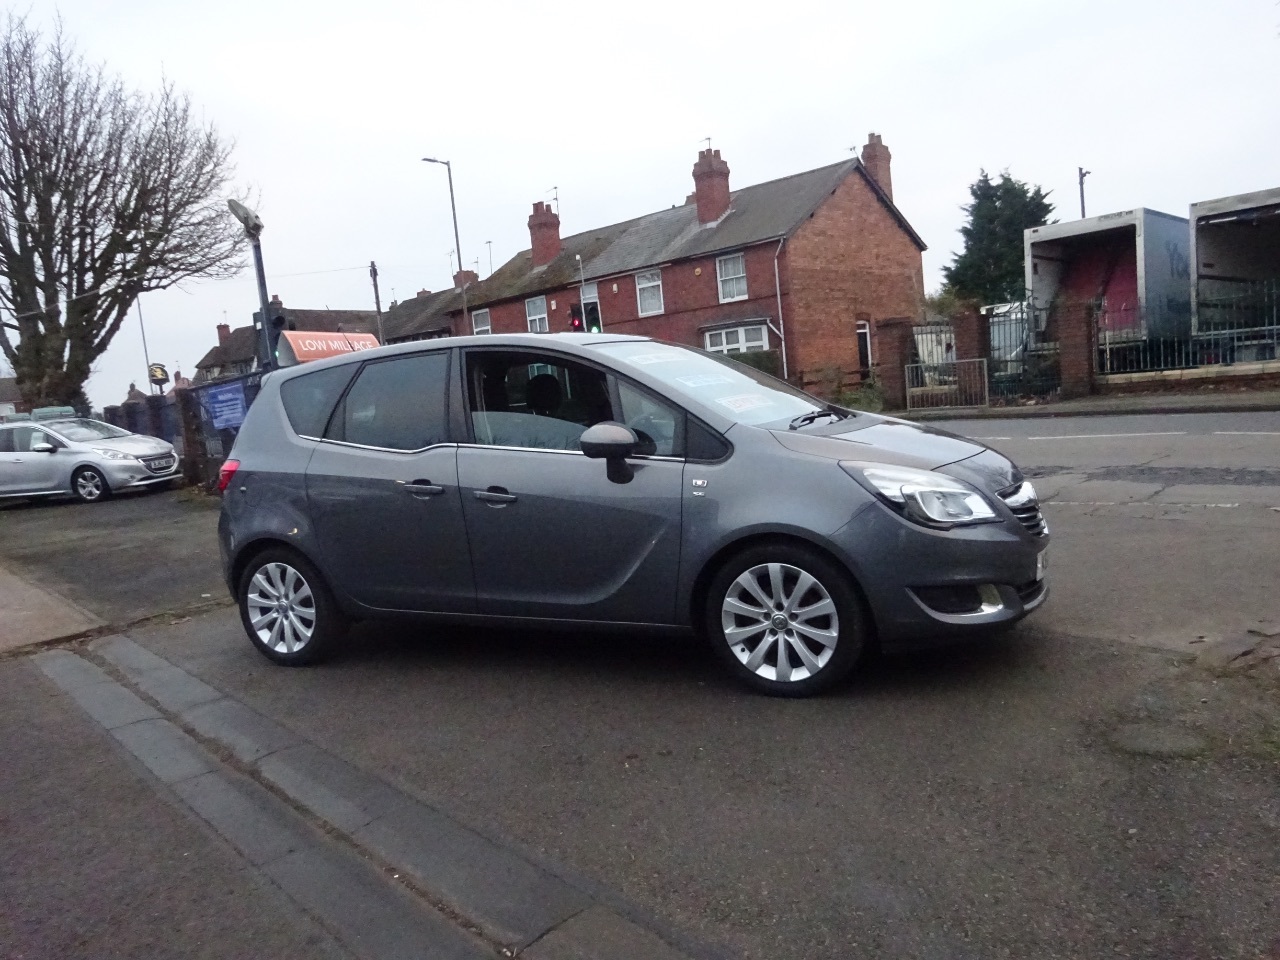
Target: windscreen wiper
x=830 y=410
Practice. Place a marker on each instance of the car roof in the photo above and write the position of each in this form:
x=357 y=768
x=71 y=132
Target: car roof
x=576 y=343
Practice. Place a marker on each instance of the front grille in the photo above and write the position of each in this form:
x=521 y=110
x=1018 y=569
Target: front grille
x=1022 y=500
x=160 y=464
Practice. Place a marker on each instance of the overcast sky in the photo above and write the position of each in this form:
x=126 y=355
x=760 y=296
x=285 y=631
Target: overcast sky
x=332 y=105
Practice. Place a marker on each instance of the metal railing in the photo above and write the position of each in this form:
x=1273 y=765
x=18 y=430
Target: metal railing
x=952 y=383
x=1022 y=352
x=1235 y=322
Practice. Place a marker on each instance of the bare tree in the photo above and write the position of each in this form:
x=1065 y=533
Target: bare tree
x=104 y=194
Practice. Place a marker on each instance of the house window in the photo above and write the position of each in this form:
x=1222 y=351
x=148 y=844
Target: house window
x=649 y=292
x=738 y=339
x=864 y=344
x=732 y=272
x=591 y=308
x=480 y=322
x=535 y=311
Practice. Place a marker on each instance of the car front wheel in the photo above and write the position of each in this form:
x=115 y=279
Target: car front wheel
x=785 y=620
x=287 y=610
x=90 y=485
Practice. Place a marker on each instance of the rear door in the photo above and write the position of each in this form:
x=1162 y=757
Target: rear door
x=551 y=536
x=382 y=488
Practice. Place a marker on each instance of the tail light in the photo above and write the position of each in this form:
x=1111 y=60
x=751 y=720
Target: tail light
x=225 y=474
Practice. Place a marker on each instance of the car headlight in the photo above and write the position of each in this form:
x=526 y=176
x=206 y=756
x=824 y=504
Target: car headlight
x=113 y=454
x=929 y=498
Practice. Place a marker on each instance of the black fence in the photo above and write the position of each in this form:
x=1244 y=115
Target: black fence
x=1022 y=358
x=1235 y=322
x=212 y=415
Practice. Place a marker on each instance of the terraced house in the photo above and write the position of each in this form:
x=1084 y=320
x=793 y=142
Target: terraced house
x=801 y=269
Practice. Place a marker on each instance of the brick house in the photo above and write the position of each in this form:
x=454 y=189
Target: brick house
x=237 y=350
x=11 y=401
x=806 y=267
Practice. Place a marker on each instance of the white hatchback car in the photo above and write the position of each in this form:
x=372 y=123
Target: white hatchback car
x=85 y=458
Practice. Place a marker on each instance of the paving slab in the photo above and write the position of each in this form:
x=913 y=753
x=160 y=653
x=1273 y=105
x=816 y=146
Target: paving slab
x=245 y=732
x=329 y=787
x=33 y=615
x=171 y=687
x=597 y=933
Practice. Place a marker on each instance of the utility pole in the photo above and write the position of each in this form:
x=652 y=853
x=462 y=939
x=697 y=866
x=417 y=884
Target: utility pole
x=377 y=298
x=489 y=244
x=1082 y=173
x=146 y=354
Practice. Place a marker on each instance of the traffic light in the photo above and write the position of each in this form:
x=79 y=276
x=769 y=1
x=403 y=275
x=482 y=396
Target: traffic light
x=592 y=315
x=575 y=318
x=276 y=324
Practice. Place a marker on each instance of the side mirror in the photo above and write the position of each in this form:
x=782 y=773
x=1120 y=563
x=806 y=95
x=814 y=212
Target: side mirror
x=613 y=443
x=43 y=448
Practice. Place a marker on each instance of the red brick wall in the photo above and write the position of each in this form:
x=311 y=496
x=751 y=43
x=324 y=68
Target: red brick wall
x=852 y=257
x=690 y=295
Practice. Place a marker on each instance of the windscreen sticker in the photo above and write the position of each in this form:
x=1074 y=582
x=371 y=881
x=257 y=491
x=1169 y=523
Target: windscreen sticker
x=705 y=380
x=745 y=401
x=645 y=359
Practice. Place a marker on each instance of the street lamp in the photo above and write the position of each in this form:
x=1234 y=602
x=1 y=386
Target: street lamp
x=253 y=226
x=457 y=244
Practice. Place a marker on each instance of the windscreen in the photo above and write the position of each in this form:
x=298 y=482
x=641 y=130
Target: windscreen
x=739 y=392
x=84 y=431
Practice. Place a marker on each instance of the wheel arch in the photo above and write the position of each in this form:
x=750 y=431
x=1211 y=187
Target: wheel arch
x=713 y=565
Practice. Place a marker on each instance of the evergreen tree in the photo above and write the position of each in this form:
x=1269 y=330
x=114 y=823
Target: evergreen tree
x=990 y=270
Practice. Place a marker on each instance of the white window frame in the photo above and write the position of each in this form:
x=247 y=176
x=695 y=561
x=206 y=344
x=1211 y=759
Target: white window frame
x=653 y=279
x=478 y=328
x=717 y=341
x=535 y=313
x=864 y=328
x=722 y=276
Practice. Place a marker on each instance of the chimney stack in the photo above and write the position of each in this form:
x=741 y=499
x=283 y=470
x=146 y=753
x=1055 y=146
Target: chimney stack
x=224 y=334
x=275 y=300
x=711 y=186
x=876 y=157
x=424 y=293
x=544 y=234
x=462 y=278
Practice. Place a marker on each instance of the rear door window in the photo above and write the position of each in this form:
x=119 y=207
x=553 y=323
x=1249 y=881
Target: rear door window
x=396 y=404
x=6 y=440
x=309 y=399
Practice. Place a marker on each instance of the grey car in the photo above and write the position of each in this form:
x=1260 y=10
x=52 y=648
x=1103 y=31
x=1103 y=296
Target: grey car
x=87 y=459
x=613 y=482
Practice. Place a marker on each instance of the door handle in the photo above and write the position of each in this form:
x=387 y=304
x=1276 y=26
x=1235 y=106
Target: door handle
x=423 y=489
x=495 y=495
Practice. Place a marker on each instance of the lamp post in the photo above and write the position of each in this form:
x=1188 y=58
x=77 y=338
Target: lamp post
x=1082 y=172
x=252 y=224
x=457 y=244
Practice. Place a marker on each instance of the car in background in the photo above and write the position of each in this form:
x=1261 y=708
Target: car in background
x=598 y=481
x=79 y=457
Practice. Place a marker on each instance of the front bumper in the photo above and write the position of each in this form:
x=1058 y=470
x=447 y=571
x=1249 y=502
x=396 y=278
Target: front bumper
x=927 y=586
x=126 y=474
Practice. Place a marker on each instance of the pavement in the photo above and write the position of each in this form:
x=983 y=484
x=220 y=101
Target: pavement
x=1220 y=400
x=1103 y=781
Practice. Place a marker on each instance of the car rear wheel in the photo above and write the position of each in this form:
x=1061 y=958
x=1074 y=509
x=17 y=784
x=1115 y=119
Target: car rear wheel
x=89 y=485
x=287 y=610
x=785 y=620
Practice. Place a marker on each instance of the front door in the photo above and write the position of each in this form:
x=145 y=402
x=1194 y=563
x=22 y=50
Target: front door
x=22 y=471
x=550 y=534
x=383 y=491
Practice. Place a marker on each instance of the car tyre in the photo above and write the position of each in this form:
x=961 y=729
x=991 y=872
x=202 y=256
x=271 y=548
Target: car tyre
x=786 y=600
x=89 y=485
x=288 y=610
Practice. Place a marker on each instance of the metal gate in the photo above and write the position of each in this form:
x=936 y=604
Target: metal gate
x=1023 y=351
x=954 y=383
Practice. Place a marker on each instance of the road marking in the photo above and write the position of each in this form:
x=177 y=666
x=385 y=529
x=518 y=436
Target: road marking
x=1245 y=433
x=990 y=438
x=1138 y=503
x=1112 y=436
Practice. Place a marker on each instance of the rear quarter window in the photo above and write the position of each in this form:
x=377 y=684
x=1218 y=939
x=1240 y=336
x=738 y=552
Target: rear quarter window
x=309 y=399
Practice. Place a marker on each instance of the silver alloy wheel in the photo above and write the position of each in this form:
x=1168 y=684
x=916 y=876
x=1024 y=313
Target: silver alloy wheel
x=89 y=484
x=780 y=622
x=282 y=608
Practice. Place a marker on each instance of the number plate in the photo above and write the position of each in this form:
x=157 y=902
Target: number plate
x=1042 y=563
